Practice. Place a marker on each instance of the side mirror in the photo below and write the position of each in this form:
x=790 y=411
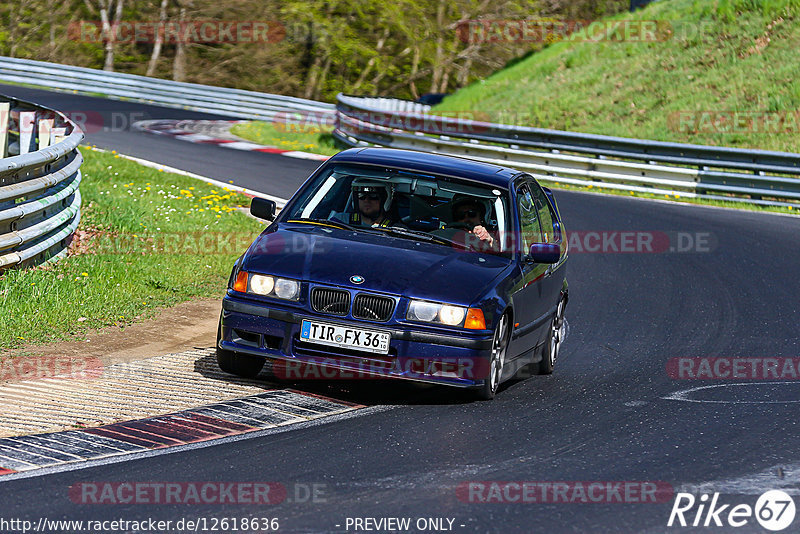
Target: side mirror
x=545 y=252
x=263 y=208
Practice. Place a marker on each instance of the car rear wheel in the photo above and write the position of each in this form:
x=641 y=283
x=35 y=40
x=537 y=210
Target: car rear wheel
x=237 y=364
x=497 y=360
x=553 y=343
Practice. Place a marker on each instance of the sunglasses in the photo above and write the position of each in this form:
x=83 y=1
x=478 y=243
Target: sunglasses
x=466 y=213
x=368 y=196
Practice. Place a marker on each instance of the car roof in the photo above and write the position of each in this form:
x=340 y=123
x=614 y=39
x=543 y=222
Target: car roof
x=424 y=162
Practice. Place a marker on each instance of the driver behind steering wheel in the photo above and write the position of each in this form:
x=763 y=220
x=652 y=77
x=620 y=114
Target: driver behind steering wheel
x=371 y=203
x=471 y=212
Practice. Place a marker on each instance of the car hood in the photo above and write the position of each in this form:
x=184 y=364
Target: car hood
x=387 y=264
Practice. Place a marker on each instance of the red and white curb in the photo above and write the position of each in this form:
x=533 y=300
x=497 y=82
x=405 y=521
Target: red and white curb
x=94 y=412
x=221 y=420
x=187 y=130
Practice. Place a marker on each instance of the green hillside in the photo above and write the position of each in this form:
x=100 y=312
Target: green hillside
x=710 y=58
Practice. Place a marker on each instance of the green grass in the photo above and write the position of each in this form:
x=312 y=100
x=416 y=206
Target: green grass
x=722 y=56
x=144 y=249
x=304 y=137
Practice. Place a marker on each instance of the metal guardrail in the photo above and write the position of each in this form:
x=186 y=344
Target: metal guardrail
x=39 y=178
x=718 y=173
x=221 y=100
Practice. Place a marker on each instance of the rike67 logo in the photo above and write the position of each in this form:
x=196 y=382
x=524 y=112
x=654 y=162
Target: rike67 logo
x=774 y=510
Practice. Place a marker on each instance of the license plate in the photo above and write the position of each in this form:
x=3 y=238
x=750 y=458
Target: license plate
x=345 y=337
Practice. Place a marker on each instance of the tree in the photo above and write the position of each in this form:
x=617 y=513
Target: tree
x=109 y=26
x=159 y=39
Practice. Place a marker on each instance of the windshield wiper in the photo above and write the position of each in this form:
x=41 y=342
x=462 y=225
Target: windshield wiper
x=423 y=236
x=328 y=222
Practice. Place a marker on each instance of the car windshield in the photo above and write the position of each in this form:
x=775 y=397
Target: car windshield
x=406 y=204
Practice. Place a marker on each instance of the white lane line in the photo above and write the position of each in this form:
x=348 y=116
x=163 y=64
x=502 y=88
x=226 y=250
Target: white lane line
x=238 y=145
x=196 y=137
x=305 y=155
x=683 y=395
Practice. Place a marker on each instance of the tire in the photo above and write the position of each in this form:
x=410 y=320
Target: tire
x=242 y=365
x=552 y=344
x=497 y=360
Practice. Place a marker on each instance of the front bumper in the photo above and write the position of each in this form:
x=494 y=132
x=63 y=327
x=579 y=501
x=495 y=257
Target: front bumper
x=414 y=354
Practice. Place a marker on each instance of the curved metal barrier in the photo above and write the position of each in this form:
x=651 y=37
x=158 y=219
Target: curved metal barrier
x=39 y=178
x=719 y=173
x=120 y=86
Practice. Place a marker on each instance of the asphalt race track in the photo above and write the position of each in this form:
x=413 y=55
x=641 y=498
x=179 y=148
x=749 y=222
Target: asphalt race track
x=602 y=416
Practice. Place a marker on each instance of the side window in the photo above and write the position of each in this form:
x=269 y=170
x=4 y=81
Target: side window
x=528 y=218
x=546 y=217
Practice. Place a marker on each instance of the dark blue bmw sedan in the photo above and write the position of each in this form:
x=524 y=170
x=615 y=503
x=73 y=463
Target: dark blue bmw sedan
x=400 y=264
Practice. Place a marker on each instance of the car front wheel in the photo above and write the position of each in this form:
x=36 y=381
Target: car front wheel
x=497 y=360
x=237 y=364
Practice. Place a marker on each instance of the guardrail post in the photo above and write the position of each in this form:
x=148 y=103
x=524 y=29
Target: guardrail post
x=5 y=116
x=57 y=135
x=27 y=126
x=45 y=133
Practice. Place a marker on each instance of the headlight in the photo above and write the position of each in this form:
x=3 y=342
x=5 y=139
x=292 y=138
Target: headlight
x=420 y=310
x=287 y=289
x=269 y=286
x=262 y=285
x=452 y=315
x=433 y=312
